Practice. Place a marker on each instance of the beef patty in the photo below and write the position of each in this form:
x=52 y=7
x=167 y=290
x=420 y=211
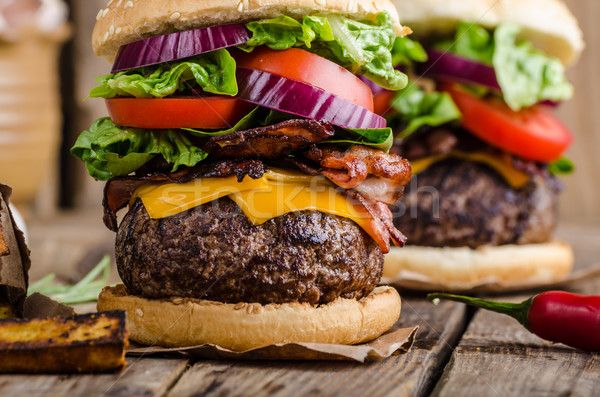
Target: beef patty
x=458 y=203
x=214 y=252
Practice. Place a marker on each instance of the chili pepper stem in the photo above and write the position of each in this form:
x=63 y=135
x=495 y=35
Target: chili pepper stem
x=518 y=311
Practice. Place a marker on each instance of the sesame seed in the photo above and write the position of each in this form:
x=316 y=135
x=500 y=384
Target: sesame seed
x=176 y=15
x=129 y=4
x=119 y=3
x=111 y=30
x=119 y=30
x=100 y=14
x=352 y=6
x=105 y=38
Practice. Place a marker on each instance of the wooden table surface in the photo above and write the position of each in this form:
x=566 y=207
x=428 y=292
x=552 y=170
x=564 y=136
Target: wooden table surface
x=458 y=351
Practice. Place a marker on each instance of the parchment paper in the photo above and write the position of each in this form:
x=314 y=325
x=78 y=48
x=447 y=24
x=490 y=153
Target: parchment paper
x=393 y=341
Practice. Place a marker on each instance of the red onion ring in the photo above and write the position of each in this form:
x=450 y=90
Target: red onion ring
x=178 y=45
x=375 y=88
x=301 y=99
x=449 y=66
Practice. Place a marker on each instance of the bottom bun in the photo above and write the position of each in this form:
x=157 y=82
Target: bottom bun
x=182 y=322
x=488 y=268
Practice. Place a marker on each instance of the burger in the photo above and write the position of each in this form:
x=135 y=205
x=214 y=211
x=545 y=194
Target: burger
x=255 y=172
x=476 y=123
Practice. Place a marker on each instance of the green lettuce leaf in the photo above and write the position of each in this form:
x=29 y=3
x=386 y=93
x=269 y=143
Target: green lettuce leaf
x=406 y=51
x=213 y=72
x=258 y=117
x=247 y=122
x=526 y=76
x=415 y=108
x=381 y=138
x=562 y=166
x=109 y=151
x=362 y=47
x=378 y=138
x=471 y=41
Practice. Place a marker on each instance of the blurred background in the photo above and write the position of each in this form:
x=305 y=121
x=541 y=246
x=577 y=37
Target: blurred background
x=47 y=69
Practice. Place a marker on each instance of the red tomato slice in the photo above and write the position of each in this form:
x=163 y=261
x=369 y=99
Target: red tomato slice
x=301 y=65
x=530 y=133
x=216 y=112
x=382 y=102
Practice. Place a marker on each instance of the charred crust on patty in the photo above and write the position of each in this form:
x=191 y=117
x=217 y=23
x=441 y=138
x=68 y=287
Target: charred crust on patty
x=214 y=252
x=474 y=206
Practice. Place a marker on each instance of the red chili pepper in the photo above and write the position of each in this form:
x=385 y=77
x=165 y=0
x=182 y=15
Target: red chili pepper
x=556 y=316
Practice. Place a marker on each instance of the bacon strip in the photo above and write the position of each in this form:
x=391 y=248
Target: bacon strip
x=118 y=191
x=381 y=222
x=377 y=175
x=270 y=142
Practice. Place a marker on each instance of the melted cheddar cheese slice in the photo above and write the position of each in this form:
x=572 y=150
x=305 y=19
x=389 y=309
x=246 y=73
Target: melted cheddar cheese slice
x=274 y=194
x=500 y=163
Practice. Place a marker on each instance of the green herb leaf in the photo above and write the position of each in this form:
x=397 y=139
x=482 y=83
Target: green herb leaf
x=86 y=290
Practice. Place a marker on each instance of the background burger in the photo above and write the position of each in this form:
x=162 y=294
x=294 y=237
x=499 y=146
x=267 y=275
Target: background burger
x=254 y=168
x=476 y=124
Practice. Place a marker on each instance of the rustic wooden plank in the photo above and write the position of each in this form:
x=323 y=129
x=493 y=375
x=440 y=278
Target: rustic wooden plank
x=519 y=371
x=497 y=356
x=402 y=375
x=142 y=377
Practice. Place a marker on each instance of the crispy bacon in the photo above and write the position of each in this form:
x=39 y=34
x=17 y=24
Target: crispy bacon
x=118 y=191
x=270 y=142
x=367 y=166
x=381 y=221
x=377 y=175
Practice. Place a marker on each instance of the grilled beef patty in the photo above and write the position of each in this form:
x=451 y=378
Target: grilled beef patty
x=214 y=252
x=457 y=203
